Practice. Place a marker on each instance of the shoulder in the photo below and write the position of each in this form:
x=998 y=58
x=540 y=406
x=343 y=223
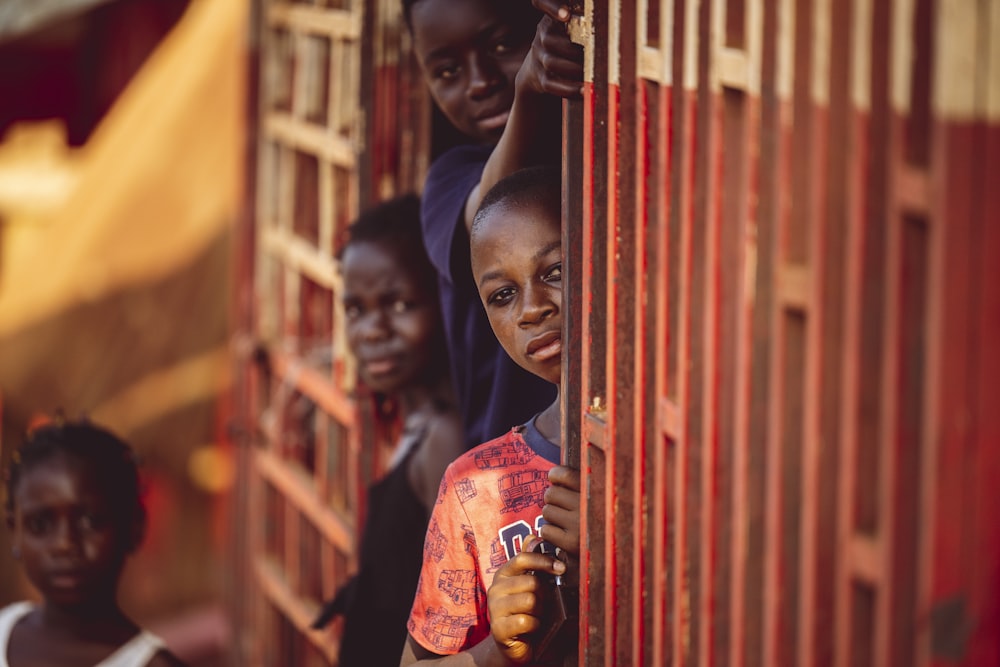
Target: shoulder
x=445 y=435
x=460 y=157
x=13 y=613
x=442 y=443
x=17 y=609
x=509 y=448
x=442 y=207
x=452 y=175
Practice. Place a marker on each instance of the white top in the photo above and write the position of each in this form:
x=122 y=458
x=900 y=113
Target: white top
x=137 y=652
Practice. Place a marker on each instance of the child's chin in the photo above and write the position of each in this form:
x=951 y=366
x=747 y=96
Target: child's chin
x=66 y=599
x=382 y=385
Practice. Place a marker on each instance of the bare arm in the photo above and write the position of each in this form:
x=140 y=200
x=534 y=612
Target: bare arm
x=553 y=69
x=443 y=443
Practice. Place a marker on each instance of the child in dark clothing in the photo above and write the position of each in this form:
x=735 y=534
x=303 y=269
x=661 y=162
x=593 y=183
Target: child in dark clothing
x=393 y=326
x=497 y=72
x=478 y=601
x=74 y=508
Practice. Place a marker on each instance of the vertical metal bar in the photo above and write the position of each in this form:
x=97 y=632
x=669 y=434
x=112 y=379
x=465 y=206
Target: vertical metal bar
x=571 y=399
x=828 y=81
x=709 y=192
x=644 y=372
x=685 y=49
x=773 y=567
x=850 y=376
x=593 y=534
x=985 y=647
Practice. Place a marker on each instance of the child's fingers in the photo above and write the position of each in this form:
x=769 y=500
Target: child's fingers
x=554 y=41
x=512 y=627
x=557 y=10
x=566 y=539
x=515 y=649
x=559 y=519
x=527 y=562
x=563 y=497
x=566 y=477
x=560 y=69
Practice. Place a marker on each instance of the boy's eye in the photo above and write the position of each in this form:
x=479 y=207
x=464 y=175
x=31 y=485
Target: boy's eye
x=554 y=274
x=91 y=521
x=38 y=524
x=501 y=47
x=352 y=311
x=400 y=306
x=501 y=297
x=446 y=72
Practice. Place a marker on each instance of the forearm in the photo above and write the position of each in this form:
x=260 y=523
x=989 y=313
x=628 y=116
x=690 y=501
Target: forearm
x=533 y=136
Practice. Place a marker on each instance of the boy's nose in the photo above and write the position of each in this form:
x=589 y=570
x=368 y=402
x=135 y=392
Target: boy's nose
x=375 y=327
x=483 y=76
x=65 y=537
x=537 y=307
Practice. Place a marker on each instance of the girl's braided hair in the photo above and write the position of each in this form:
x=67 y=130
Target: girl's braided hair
x=108 y=460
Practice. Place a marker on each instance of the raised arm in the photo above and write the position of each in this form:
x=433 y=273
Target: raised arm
x=553 y=69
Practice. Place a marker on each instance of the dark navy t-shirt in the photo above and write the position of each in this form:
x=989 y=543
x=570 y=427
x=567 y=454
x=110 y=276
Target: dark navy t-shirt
x=494 y=393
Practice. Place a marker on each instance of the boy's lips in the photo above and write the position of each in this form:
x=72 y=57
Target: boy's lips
x=545 y=346
x=375 y=367
x=66 y=579
x=493 y=121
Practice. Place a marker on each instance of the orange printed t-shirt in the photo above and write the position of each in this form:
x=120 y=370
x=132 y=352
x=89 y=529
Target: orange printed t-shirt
x=489 y=502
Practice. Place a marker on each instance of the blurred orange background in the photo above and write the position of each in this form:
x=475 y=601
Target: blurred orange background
x=121 y=179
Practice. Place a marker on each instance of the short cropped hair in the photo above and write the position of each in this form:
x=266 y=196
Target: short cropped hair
x=395 y=224
x=534 y=186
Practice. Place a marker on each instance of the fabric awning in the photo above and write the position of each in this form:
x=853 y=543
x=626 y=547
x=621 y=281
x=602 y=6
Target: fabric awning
x=20 y=17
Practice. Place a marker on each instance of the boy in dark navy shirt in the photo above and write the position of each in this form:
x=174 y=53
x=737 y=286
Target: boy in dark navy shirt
x=497 y=70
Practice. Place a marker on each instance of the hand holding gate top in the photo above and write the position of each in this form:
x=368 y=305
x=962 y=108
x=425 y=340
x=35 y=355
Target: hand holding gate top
x=554 y=65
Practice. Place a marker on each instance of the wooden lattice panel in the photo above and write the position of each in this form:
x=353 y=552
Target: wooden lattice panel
x=328 y=71
x=778 y=228
x=307 y=473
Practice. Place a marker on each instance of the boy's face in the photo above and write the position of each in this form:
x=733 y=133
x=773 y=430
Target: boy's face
x=517 y=265
x=392 y=320
x=470 y=52
x=66 y=534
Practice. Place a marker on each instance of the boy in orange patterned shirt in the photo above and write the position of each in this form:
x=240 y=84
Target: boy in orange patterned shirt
x=478 y=602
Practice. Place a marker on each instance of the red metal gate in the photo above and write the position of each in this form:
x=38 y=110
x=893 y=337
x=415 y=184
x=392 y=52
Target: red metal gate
x=779 y=248
x=780 y=217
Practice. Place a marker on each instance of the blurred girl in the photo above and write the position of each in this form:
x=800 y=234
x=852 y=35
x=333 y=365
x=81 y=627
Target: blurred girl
x=74 y=508
x=393 y=324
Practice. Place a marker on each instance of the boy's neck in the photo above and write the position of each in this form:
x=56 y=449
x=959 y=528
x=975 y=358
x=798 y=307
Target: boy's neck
x=549 y=423
x=425 y=397
x=83 y=620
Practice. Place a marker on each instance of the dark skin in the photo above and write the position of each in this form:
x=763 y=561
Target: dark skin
x=517 y=264
x=477 y=69
x=393 y=326
x=73 y=552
